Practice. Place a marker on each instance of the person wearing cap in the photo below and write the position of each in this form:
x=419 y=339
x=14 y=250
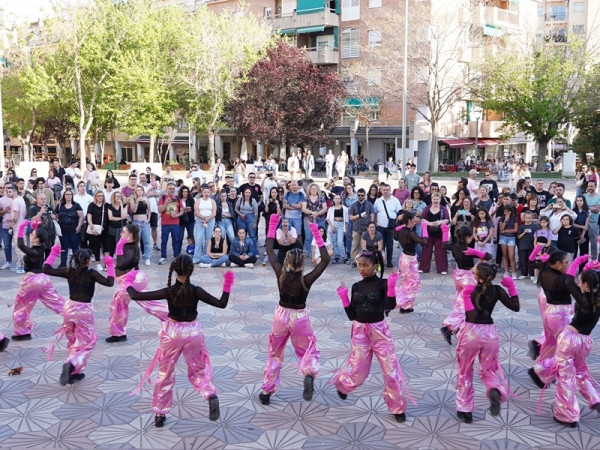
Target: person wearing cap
x=472 y=185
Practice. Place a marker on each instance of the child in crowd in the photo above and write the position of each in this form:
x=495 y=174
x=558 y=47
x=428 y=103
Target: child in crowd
x=566 y=236
x=191 y=246
x=525 y=238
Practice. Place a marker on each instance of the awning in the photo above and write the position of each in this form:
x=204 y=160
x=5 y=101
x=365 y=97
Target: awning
x=457 y=143
x=287 y=31
x=314 y=29
x=309 y=6
x=491 y=30
x=487 y=143
x=355 y=102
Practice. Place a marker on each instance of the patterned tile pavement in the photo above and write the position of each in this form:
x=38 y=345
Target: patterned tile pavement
x=100 y=411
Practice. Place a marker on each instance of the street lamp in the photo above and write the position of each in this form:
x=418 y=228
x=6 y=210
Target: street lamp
x=476 y=114
x=404 y=89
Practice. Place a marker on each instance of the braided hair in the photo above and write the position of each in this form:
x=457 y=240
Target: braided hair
x=182 y=265
x=592 y=279
x=79 y=260
x=376 y=258
x=293 y=262
x=486 y=272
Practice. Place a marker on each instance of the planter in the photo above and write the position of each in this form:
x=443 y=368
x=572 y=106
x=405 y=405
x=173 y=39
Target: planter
x=175 y=167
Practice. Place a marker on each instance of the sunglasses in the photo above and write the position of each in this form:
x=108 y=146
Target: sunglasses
x=361 y=195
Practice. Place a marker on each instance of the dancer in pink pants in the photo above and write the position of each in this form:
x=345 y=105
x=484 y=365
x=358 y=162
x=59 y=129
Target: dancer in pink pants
x=370 y=299
x=128 y=258
x=536 y=344
x=182 y=333
x=463 y=277
x=557 y=279
x=408 y=266
x=35 y=285
x=292 y=318
x=478 y=337
x=78 y=313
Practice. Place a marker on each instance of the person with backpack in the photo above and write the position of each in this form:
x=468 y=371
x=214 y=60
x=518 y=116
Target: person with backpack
x=170 y=208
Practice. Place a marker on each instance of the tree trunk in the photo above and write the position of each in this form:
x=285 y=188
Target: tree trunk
x=434 y=154
x=367 y=128
x=82 y=151
x=542 y=152
x=211 y=148
x=152 y=148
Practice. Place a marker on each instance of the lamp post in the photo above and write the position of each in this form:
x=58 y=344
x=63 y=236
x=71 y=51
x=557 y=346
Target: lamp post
x=404 y=90
x=476 y=114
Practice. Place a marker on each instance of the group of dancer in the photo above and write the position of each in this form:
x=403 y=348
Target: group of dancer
x=565 y=341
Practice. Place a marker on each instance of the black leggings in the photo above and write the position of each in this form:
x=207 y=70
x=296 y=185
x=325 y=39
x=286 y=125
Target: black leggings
x=240 y=262
x=95 y=242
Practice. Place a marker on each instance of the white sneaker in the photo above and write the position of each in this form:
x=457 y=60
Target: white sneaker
x=514 y=276
x=521 y=277
x=533 y=279
x=99 y=267
x=147 y=262
x=224 y=265
x=233 y=265
x=204 y=265
x=6 y=265
x=162 y=261
x=20 y=270
x=444 y=273
x=249 y=266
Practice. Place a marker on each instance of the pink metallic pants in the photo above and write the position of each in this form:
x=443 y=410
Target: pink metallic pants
x=555 y=319
x=177 y=338
x=294 y=324
x=542 y=302
x=119 y=309
x=369 y=338
x=408 y=289
x=572 y=372
x=477 y=340
x=78 y=326
x=34 y=286
x=456 y=318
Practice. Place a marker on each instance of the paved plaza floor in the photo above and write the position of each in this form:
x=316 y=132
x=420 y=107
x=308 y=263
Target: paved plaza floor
x=36 y=411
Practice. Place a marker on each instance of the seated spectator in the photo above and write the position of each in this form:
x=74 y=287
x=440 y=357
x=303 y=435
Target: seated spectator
x=315 y=254
x=287 y=239
x=216 y=251
x=372 y=239
x=243 y=251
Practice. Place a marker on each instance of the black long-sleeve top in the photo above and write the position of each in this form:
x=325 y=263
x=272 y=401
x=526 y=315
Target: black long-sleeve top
x=483 y=308
x=558 y=287
x=34 y=256
x=369 y=300
x=129 y=260
x=464 y=262
x=408 y=240
x=585 y=318
x=81 y=285
x=294 y=292
x=182 y=303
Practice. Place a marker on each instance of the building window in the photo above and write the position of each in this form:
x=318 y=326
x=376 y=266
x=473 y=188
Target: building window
x=540 y=12
x=127 y=154
x=350 y=9
x=578 y=29
x=267 y=11
x=350 y=42
x=559 y=13
x=559 y=35
x=374 y=3
x=375 y=116
x=578 y=7
x=374 y=38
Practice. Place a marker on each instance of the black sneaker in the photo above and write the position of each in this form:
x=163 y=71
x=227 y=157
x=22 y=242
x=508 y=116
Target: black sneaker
x=113 y=339
x=534 y=350
x=534 y=376
x=447 y=334
x=308 y=388
x=406 y=311
x=65 y=376
x=342 y=395
x=75 y=378
x=265 y=399
x=494 y=402
x=596 y=407
x=566 y=424
x=466 y=417
x=21 y=337
x=400 y=417
x=159 y=420
x=354 y=265
x=389 y=265
x=4 y=343
x=213 y=408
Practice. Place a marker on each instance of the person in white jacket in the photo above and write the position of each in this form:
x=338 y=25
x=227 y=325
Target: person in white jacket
x=337 y=219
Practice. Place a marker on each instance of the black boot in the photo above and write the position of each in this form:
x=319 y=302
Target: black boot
x=159 y=420
x=400 y=417
x=76 y=377
x=447 y=334
x=65 y=376
x=566 y=424
x=466 y=417
x=213 y=408
x=534 y=350
x=342 y=395
x=494 y=402
x=4 y=343
x=534 y=376
x=112 y=339
x=308 y=388
x=265 y=399
x=21 y=337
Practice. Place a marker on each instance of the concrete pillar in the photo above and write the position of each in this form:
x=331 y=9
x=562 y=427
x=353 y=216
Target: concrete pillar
x=140 y=151
x=323 y=150
x=118 y=152
x=353 y=146
x=260 y=149
x=244 y=150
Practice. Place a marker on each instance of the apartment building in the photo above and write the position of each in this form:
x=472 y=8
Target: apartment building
x=559 y=18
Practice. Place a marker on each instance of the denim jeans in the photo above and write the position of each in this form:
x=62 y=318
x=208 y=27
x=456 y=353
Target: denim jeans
x=173 y=230
x=205 y=259
x=7 y=241
x=145 y=238
x=68 y=240
x=308 y=236
x=338 y=240
x=247 y=225
x=227 y=226
x=202 y=235
x=388 y=242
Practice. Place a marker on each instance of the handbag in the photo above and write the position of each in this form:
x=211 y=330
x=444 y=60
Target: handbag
x=391 y=222
x=93 y=227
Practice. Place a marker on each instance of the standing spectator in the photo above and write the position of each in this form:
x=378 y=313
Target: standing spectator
x=92 y=179
x=129 y=190
x=309 y=163
x=592 y=199
x=581 y=179
x=140 y=210
x=542 y=195
x=508 y=226
x=218 y=173
x=559 y=192
x=225 y=216
x=40 y=187
x=111 y=176
x=246 y=210
x=54 y=184
x=314 y=208
x=292 y=206
x=373 y=194
x=401 y=193
x=491 y=185
x=42 y=212
x=464 y=215
x=390 y=168
x=292 y=166
x=7 y=216
x=73 y=174
x=361 y=214
x=337 y=220
x=170 y=209
x=239 y=172
x=257 y=193
x=525 y=238
x=152 y=194
x=349 y=197
x=555 y=212
x=96 y=227
x=531 y=206
x=117 y=218
x=412 y=178
x=386 y=208
x=483 y=199
x=329 y=161
x=472 y=184
x=70 y=218
x=483 y=232
x=205 y=210
x=593 y=176
x=243 y=251
x=19 y=212
x=197 y=172
x=59 y=172
x=434 y=216
x=109 y=190
x=444 y=193
x=83 y=199
x=426 y=180
x=186 y=220
x=341 y=163
x=565 y=236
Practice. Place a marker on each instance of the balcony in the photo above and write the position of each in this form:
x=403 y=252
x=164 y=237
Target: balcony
x=495 y=17
x=487 y=128
x=324 y=55
x=325 y=18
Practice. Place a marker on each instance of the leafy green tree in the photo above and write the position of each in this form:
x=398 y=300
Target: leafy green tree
x=587 y=118
x=538 y=91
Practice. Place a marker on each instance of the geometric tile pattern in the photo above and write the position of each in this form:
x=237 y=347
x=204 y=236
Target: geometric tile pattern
x=35 y=411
